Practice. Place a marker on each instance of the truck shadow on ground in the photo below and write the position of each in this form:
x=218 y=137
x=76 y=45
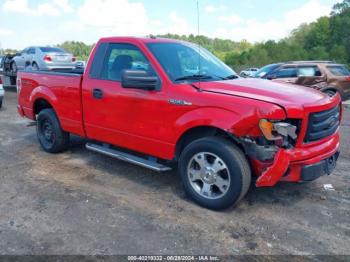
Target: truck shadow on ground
x=283 y=194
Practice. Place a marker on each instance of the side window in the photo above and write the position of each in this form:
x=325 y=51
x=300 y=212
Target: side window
x=286 y=72
x=120 y=57
x=31 y=51
x=309 y=71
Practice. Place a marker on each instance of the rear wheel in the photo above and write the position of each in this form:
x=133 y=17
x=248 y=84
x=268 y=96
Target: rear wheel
x=35 y=67
x=214 y=172
x=50 y=134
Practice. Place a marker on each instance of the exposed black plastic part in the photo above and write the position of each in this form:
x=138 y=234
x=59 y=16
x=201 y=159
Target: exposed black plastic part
x=325 y=167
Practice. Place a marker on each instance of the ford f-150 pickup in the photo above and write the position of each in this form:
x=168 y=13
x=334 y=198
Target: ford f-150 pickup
x=162 y=104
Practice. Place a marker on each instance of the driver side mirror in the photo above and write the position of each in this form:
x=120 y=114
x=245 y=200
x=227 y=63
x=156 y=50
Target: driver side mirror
x=139 y=80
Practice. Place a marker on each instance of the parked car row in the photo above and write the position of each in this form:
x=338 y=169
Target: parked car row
x=326 y=76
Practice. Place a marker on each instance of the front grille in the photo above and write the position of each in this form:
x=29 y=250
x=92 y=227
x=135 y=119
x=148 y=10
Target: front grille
x=322 y=124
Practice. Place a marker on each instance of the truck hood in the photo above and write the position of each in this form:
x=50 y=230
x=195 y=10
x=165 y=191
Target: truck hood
x=292 y=98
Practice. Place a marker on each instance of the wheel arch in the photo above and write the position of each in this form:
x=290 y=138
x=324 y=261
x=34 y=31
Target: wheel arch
x=42 y=98
x=41 y=104
x=198 y=132
x=333 y=88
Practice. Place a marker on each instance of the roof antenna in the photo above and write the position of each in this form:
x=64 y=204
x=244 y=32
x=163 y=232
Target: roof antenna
x=199 y=47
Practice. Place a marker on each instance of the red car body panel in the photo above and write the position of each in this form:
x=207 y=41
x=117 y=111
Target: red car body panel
x=145 y=121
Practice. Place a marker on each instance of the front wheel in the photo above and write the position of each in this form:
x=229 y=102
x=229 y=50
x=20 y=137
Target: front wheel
x=215 y=173
x=50 y=134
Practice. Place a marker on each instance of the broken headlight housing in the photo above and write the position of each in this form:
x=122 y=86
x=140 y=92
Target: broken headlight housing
x=283 y=133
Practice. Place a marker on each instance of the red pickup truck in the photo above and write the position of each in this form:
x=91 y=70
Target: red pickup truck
x=159 y=102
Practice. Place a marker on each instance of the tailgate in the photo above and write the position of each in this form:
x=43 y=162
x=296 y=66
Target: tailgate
x=60 y=90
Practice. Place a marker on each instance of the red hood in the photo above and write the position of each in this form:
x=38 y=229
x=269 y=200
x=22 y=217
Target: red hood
x=292 y=98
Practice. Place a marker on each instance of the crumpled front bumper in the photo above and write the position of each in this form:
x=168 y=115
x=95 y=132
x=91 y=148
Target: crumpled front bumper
x=291 y=165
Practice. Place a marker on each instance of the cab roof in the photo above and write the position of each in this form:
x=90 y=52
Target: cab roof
x=145 y=40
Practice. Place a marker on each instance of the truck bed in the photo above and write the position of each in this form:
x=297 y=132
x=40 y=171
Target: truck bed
x=61 y=87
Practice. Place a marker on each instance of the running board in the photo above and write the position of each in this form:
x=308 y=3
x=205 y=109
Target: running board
x=105 y=150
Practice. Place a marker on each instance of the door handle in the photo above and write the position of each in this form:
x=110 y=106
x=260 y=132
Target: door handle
x=97 y=93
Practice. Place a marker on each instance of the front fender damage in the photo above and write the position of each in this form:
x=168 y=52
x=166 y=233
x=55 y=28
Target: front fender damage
x=268 y=153
x=273 y=174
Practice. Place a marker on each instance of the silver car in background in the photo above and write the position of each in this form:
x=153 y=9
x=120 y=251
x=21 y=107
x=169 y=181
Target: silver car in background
x=249 y=72
x=43 y=58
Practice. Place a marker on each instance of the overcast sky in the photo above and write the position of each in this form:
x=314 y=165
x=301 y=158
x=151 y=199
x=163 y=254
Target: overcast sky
x=44 y=22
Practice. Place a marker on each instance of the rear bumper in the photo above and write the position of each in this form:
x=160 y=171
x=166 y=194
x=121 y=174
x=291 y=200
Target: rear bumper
x=299 y=164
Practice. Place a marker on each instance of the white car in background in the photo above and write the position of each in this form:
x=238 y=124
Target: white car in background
x=2 y=92
x=249 y=72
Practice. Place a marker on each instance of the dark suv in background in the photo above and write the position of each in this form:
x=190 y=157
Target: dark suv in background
x=325 y=76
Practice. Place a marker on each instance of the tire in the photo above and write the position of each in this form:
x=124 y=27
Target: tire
x=14 y=67
x=35 y=67
x=226 y=187
x=330 y=92
x=0 y=104
x=50 y=134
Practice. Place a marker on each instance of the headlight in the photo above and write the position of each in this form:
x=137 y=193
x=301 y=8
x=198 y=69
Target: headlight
x=274 y=130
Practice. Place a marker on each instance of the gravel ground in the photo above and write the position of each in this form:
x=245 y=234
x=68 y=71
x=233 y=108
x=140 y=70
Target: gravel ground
x=80 y=202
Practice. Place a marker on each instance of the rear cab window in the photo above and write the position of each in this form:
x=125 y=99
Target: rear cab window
x=339 y=70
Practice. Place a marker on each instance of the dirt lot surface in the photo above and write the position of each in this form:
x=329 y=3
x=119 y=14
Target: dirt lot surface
x=80 y=202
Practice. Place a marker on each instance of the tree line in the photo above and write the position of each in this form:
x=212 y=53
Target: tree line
x=326 y=39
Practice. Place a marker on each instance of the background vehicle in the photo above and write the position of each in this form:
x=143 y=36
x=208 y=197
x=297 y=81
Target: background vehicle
x=325 y=76
x=43 y=58
x=262 y=72
x=80 y=64
x=8 y=76
x=137 y=94
x=1 y=92
x=248 y=72
x=1 y=64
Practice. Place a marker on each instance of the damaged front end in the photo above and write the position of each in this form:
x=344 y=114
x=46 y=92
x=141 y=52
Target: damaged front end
x=269 y=153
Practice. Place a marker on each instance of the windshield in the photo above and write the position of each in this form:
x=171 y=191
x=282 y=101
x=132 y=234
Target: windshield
x=339 y=70
x=265 y=70
x=51 y=50
x=188 y=62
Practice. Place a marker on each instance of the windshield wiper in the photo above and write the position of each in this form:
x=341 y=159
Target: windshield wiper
x=193 y=77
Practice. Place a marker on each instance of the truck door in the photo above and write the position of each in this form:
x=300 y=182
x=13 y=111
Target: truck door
x=130 y=118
